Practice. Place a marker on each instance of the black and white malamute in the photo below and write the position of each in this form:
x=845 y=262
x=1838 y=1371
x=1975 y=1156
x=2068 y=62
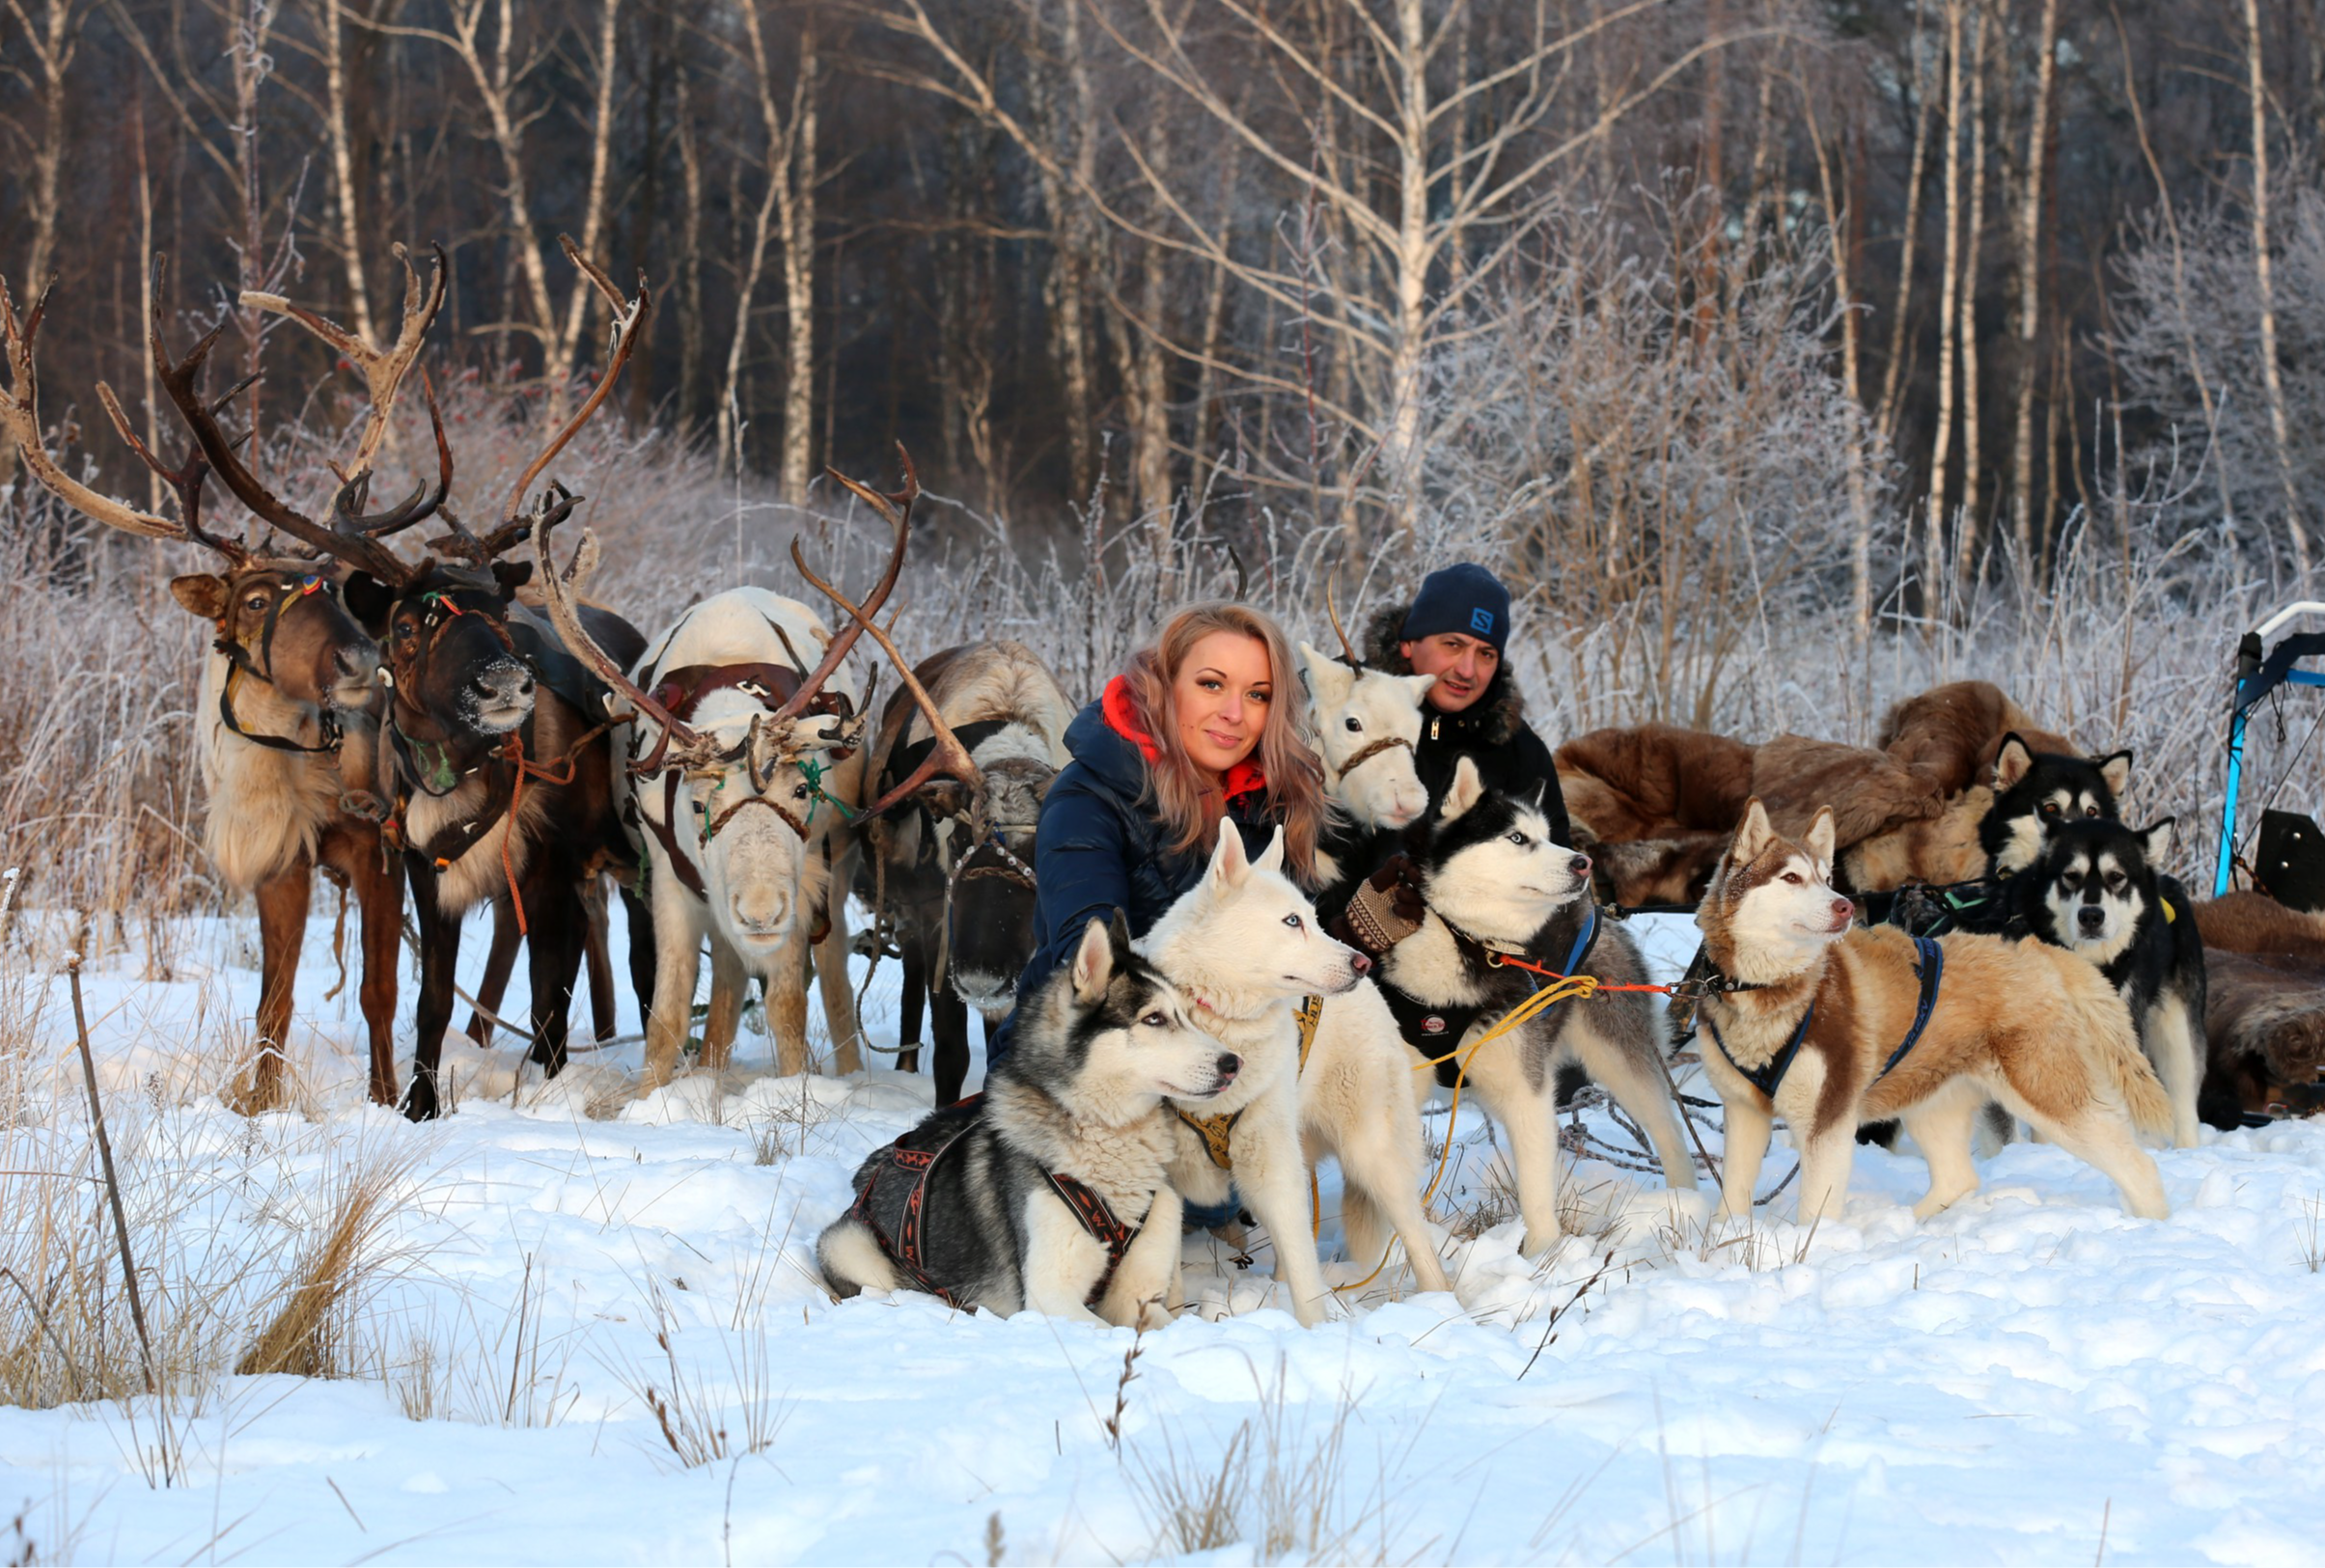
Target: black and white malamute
x=2033 y=791
x=1496 y=887
x=1032 y=1193
x=2094 y=890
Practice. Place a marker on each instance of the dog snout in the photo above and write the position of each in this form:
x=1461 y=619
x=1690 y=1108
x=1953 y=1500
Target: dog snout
x=2092 y=918
x=1579 y=865
x=1842 y=908
x=1358 y=962
x=1225 y=1069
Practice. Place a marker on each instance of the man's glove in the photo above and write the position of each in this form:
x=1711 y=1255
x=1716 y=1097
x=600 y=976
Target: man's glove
x=1386 y=908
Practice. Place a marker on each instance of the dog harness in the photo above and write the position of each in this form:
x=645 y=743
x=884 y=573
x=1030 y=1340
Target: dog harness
x=892 y=1204
x=1433 y=1030
x=1929 y=968
x=1216 y=1131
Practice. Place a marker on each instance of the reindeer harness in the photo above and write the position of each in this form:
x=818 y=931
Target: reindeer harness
x=682 y=692
x=239 y=662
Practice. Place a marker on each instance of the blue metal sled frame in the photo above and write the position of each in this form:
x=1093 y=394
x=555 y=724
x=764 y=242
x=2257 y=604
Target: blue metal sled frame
x=2260 y=671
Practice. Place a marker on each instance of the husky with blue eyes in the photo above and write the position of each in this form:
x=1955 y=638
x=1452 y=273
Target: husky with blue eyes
x=1497 y=888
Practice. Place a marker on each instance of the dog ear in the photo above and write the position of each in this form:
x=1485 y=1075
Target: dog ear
x=1819 y=843
x=1231 y=865
x=2156 y=841
x=1093 y=959
x=1753 y=834
x=2116 y=768
x=1465 y=791
x=2012 y=761
x=1271 y=859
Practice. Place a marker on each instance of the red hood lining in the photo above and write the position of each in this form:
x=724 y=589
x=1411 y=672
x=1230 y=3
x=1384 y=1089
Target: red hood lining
x=1243 y=778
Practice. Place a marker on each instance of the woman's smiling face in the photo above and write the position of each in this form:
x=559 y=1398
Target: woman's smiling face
x=1220 y=699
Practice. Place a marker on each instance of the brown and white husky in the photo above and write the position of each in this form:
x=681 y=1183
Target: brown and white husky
x=1828 y=1026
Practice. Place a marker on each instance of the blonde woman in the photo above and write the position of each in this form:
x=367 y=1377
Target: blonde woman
x=1207 y=721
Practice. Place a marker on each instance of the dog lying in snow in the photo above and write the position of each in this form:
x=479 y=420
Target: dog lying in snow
x=1032 y=1193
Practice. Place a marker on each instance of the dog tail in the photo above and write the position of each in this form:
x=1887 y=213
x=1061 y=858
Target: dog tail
x=2112 y=1044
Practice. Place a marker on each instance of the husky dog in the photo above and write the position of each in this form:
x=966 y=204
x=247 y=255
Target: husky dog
x=2266 y=1022
x=2035 y=789
x=1496 y=887
x=1829 y=1027
x=2094 y=891
x=1245 y=947
x=1032 y=1194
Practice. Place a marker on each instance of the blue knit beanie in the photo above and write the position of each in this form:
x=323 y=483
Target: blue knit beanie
x=1466 y=598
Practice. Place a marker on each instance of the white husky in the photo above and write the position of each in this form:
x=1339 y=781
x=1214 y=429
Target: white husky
x=1244 y=946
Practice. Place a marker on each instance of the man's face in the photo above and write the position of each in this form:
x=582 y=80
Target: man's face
x=1464 y=667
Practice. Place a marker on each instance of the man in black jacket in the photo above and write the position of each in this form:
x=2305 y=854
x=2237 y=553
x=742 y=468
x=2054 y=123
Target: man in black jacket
x=1457 y=629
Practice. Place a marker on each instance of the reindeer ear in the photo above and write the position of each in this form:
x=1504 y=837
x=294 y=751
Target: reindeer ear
x=1271 y=859
x=1418 y=686
x=1231 y=865
x=202 y=593
x=1328 y=679
x=1752 y=836
x=511 y=575
x=1094 y=961
x=1465 y=791
x=2157 y=840
x=1819 y=843
x=2012 y=762
x=2116 y=769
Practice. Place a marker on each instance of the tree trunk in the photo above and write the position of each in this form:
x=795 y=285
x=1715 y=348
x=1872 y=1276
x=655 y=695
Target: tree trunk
x=796 y=179
x=1933 y=543
x=343 y=165
x=1972 y=513
x=2263 y=267
x=2029 y=293
x=1885 y=416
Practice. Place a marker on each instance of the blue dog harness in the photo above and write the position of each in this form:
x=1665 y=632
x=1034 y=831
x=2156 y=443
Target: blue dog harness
x=1930 y=969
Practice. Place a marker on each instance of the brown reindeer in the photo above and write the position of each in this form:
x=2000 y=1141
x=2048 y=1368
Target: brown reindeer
x=288 y=715
x=492 y=748
x=949 y=874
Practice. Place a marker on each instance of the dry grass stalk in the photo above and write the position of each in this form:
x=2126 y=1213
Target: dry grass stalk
x=308 y=1334
x=695 y=1424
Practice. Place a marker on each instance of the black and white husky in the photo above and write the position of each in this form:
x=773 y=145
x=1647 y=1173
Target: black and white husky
x=2094 y=890
x=1032 y=1193
x=2034 y=790
x=1496 y=887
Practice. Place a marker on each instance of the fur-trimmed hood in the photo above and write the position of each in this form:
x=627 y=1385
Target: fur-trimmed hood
x=1497 y=715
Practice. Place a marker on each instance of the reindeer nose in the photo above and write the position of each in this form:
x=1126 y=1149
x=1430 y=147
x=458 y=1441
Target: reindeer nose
x=1360 y=963
x=1579 y=865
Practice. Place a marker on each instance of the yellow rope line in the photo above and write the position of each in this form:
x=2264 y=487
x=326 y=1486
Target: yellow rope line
x=1572 y=985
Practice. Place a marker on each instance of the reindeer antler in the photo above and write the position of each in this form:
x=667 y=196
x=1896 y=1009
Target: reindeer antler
x=383 y=370
x=629 y=327
x=20 y=416
x=692 y=747
x=1347 y=648
x=180 y=378
x=947 y=754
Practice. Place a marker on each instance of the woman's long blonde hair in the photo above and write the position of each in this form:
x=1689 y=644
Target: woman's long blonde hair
x=1185 y=801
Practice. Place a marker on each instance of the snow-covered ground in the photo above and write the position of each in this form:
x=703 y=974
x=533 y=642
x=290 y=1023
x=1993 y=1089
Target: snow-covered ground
x=2031 y=1377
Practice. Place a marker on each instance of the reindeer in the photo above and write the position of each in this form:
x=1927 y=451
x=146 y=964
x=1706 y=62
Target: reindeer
x=738 y=720
x=952 y=883
x=1368 y=723
x=288 y=716
x=496 y=775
